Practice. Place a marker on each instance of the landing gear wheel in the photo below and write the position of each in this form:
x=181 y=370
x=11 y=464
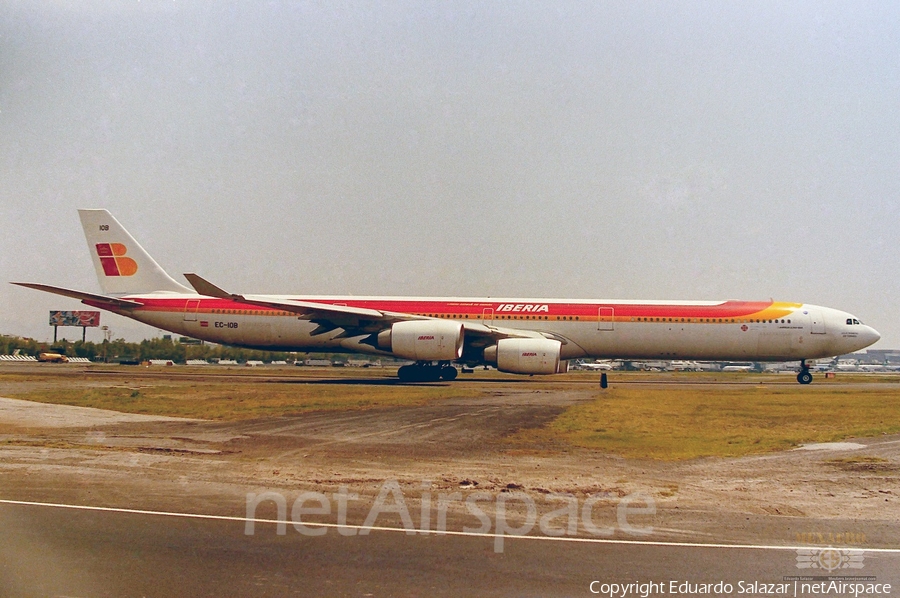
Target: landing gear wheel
x=420 y=373
x=431 y=373
x=449 y=373
x=804 y=377
x=407 y=373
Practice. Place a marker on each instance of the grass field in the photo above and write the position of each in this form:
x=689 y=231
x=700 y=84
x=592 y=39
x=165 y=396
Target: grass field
x=642 y=415
x=674 y=423
x=229 y=402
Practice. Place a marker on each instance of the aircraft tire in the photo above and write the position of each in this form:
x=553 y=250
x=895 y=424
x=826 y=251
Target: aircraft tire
x=449 y=373
x=431 y=373
x=407 y=373
x=420 y=373
x=804 y=377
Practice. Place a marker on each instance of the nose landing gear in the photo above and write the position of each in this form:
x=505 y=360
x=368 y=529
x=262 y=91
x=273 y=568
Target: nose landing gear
x=804 y=377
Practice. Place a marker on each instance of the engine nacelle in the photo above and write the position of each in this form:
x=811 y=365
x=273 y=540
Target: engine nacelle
x=526 y=355
x=424 y=340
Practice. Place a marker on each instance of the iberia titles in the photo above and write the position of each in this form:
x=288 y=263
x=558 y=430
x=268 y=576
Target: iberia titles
x=524 y=307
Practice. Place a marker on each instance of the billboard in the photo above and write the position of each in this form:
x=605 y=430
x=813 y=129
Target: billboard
x=86 y=319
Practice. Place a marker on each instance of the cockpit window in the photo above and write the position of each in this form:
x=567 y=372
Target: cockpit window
x=853 y=322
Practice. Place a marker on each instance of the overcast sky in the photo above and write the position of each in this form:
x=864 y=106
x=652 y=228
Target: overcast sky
x=621 y=150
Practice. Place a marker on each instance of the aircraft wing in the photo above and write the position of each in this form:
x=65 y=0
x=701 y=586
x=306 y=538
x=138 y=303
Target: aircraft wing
x=99 y=300
x=483 y=335
x=310 y=309
x=204 y=287
x=313 y=309
x=357 y=321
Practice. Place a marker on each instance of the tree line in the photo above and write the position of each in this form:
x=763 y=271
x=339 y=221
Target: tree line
x=155 y=348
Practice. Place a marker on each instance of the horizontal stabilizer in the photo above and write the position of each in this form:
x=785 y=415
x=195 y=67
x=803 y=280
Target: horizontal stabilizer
x=101 y=300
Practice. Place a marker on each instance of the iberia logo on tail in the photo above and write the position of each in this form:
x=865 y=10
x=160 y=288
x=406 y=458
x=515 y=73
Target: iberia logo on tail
x=113 y=260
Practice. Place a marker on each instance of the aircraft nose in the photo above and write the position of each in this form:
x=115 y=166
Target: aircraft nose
x=871 y=335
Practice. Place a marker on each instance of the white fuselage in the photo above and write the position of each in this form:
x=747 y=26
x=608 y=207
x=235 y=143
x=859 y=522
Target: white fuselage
x=758 y=331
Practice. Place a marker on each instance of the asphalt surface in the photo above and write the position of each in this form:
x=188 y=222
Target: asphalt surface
x=59 y=552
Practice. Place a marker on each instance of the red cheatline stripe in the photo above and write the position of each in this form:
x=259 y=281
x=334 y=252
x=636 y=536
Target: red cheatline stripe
x=730 y=309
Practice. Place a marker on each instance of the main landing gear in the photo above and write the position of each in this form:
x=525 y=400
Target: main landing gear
x=804 y=377
x=426 y=371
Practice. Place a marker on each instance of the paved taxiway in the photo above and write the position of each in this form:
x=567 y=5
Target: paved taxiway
x=58 y=552
x=92 y=457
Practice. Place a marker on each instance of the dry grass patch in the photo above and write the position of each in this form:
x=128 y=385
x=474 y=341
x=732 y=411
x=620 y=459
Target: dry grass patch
x=677 y=423
x=219 y=401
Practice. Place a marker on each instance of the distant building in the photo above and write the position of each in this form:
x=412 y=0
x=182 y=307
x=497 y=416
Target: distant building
x=877 y=356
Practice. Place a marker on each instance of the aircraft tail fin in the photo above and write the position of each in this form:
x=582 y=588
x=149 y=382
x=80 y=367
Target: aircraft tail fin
x=123 y=266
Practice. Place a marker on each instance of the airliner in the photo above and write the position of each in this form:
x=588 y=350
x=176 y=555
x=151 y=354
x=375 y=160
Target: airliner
x=515 y=335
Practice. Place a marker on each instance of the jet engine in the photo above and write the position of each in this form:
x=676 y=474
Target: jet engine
x=526 y=356
x=424 y=340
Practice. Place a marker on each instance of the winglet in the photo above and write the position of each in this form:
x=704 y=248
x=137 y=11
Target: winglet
x=204 y=287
